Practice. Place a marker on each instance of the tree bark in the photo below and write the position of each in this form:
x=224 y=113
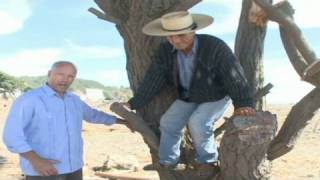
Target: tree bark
x=249 y=47
x=244 y=146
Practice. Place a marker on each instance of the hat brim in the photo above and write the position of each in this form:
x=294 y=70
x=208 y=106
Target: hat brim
x=154 y=28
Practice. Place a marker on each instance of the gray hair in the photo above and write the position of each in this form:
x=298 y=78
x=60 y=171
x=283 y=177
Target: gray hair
x=59 y=63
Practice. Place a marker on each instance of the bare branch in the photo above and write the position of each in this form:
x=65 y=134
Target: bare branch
x=287 y=22
x=115 y=10
x=298 y=118
x=138 y=124
x=262 y=92
x=103 y=16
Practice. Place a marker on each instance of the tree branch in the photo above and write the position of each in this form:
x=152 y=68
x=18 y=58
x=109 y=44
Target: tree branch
x=287 y=22
x=115 y=11
x=282 y=13
x=103 y=16
x=138 y=124
x=295 y=122
x=263 y=91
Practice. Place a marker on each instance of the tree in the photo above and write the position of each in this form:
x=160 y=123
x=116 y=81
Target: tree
x=9 y=84
x=244 y=137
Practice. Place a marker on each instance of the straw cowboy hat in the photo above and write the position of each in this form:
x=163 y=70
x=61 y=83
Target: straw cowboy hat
x=174 y=23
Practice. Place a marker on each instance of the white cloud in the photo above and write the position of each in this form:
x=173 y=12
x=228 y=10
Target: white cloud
x=13 y=15
x=114 y=77
x=288 y=88
x=35 y=62
x=32 y=62
x=224 y=21
x=93 y=52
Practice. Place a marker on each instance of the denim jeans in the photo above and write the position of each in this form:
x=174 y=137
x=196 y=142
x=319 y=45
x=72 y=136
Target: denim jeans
x=200 y=119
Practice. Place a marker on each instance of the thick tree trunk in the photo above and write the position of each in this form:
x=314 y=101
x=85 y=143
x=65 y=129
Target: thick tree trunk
x=244 y=147
x=130 y=16
x=249 y=47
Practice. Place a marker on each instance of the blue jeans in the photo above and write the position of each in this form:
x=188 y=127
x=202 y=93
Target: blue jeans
x=200 y=119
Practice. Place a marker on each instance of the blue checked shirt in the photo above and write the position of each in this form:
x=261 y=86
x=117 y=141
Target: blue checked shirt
x=42 y=121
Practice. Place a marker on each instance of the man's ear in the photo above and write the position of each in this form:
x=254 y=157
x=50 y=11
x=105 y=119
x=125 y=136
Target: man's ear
x=49 y=72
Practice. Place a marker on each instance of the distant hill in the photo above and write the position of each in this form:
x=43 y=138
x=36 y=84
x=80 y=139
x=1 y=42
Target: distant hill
x=111 y=93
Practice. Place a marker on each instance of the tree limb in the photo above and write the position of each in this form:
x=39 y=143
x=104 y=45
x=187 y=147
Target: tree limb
x=137 y=123
x=103 y=16
x=275 y=14
x=297 y=119
x=115 y=11
x=263 y=91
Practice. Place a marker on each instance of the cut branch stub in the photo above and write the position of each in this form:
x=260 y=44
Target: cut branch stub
x=244 y=147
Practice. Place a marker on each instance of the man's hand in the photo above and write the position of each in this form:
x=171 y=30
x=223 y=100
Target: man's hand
x=45 y=167
x=244 y=111
x=124 y=122
x=126 y=104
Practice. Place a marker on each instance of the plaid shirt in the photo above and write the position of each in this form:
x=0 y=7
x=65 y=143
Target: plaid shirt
x=217 y=74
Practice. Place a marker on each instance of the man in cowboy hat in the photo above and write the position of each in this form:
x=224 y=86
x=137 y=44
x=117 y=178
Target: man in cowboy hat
x=205 y=73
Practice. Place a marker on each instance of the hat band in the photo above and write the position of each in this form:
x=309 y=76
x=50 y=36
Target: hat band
x=193 y=26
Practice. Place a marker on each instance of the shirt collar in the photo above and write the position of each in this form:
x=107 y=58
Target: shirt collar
x=51 y=92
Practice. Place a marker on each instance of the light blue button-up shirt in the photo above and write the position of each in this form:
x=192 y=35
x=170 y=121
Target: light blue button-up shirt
x=42 y=121
x=186 y=65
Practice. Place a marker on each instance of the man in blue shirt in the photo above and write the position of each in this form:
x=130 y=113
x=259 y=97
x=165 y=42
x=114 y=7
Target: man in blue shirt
x=44 y=126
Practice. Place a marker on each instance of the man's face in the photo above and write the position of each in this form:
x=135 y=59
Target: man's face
x=182 y=42
x=61 y=77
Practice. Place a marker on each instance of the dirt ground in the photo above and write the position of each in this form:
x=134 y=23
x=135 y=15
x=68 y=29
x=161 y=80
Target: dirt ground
x=120 y=146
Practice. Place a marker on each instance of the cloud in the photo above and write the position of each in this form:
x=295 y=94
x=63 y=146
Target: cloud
x=32 y=62
x=225 y=21
x=288 y=88
x=93 y=52
x=13 y=15
x=114 y=77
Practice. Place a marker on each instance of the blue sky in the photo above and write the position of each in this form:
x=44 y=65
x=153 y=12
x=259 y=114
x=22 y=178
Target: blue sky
x=35 y=33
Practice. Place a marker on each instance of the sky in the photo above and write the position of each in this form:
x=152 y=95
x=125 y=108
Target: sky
x=36 y=33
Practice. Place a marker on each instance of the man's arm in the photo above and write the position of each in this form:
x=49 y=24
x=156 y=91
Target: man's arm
x=15 y=139
x=234 y=81
x=13 y=134
x=96 y=116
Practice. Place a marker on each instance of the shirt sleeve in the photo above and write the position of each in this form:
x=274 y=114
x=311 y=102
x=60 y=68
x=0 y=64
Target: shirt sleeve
x=234 y=79
x=13 y=134
x=95 y=116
